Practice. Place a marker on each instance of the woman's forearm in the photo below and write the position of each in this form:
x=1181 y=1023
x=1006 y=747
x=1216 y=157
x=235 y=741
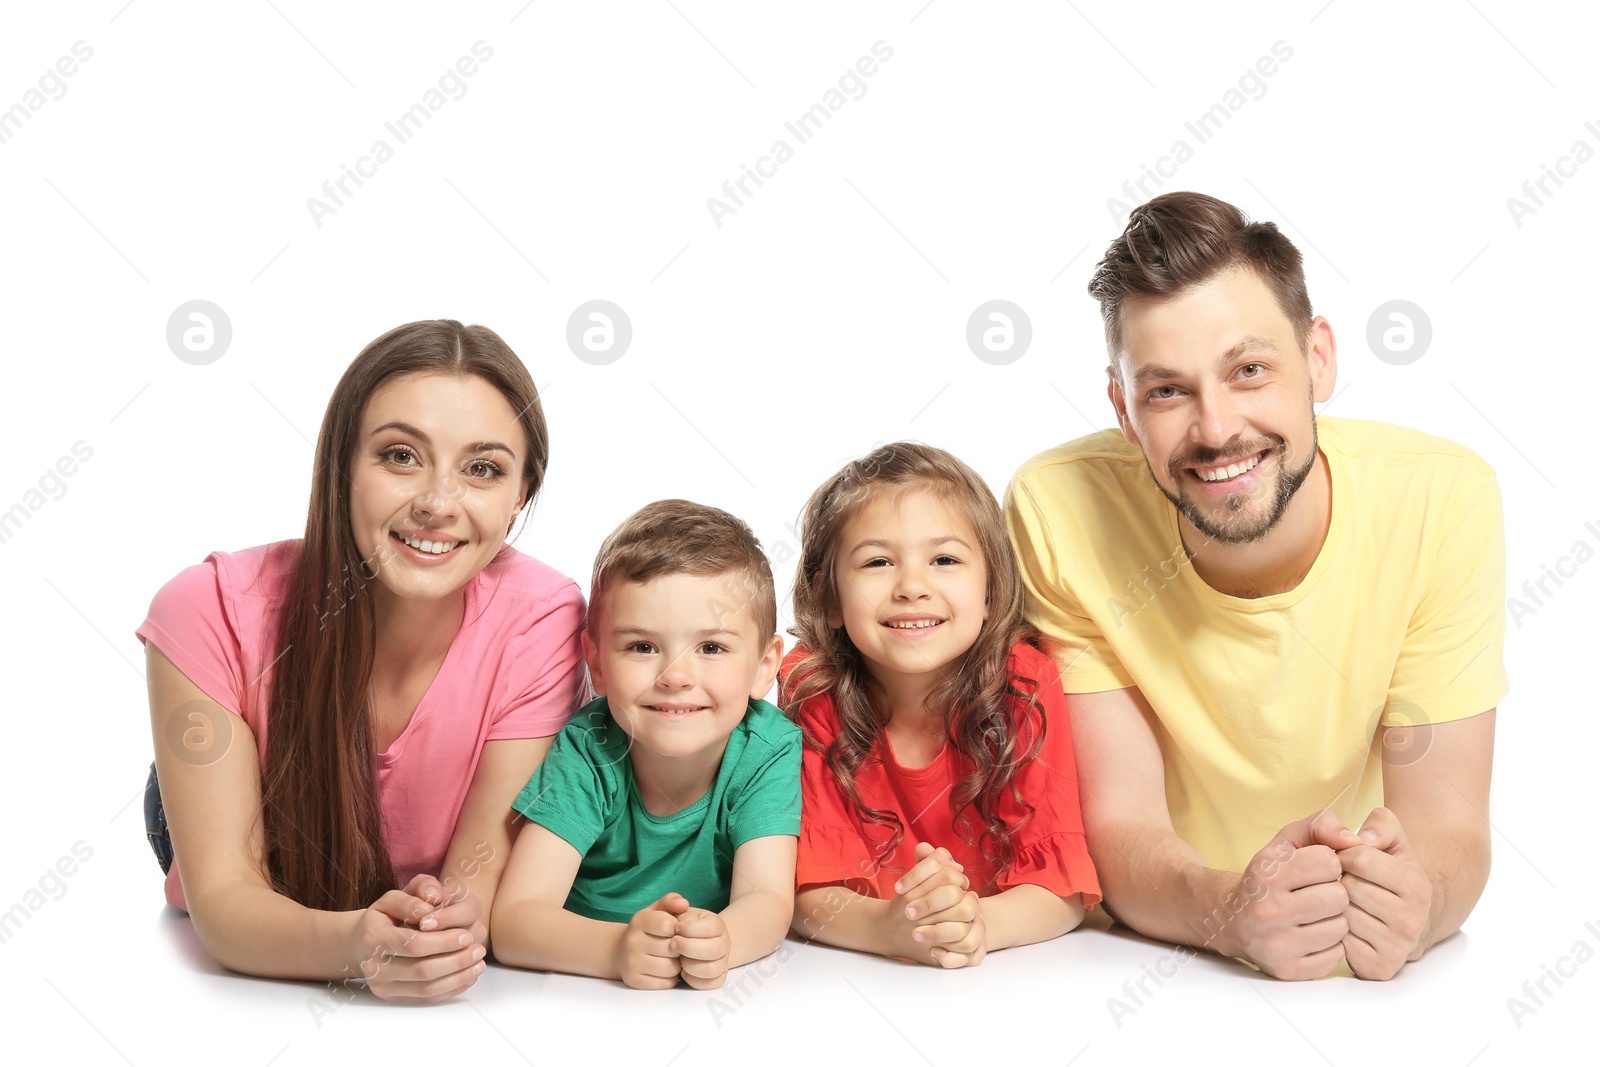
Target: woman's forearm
x=248 y=928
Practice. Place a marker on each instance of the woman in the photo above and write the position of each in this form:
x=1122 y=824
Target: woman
x=342 y=716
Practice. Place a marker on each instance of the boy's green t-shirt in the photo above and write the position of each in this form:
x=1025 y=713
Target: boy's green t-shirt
x=585 y=793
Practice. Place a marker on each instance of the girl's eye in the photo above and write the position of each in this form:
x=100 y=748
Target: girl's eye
x=711 y=648
x=877 y=561
x=946 y=561
x=643 y=648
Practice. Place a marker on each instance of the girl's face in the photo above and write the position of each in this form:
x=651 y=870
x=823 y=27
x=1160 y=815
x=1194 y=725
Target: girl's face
x=912 y=586
x=435 y=482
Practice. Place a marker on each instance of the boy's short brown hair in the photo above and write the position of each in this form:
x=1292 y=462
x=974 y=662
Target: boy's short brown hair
x=682 y=537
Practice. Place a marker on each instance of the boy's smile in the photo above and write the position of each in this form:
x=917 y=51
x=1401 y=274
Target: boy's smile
x=678 y=669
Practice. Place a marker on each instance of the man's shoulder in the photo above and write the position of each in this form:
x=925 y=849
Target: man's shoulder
x=1089 y=456
x=1374 y=444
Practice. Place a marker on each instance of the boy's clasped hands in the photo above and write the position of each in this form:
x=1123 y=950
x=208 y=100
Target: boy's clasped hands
x=669 y=940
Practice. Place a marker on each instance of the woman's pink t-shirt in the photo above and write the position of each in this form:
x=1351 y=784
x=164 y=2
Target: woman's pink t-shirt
x=515 y=670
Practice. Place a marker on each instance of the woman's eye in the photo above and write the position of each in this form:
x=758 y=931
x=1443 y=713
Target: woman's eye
x=484 y=470
x=397 y=454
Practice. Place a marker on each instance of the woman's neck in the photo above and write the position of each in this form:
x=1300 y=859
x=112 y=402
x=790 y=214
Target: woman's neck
x=411 y=633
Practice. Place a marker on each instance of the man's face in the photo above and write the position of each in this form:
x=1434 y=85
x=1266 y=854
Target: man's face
x=1214 y=387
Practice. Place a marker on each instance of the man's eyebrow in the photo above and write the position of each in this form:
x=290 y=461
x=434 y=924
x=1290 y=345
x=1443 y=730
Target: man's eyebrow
x=1249 y=346
x=475 y=447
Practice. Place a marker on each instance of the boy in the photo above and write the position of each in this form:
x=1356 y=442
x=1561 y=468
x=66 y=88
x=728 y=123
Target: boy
x=661 y=829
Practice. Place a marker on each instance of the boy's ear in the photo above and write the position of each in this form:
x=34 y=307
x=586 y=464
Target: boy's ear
x=591 y=656
x=767 y=671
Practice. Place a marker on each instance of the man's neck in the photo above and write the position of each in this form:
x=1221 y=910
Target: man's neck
x=1278 y=562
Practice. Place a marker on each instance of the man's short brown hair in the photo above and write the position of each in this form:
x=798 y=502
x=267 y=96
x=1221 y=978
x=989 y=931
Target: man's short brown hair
x=1180 y=240
x=682 y=537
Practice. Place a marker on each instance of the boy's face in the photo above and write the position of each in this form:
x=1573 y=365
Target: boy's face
x=677 y=666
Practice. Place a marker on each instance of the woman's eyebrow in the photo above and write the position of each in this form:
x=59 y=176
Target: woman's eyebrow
x=476 y=446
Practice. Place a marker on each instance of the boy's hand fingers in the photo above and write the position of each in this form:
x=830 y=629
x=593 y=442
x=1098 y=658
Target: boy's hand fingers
x=706 y=924
x=704 y=949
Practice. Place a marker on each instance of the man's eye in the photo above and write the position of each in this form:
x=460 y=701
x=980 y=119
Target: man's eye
x=1164 y=392
x=1252 y=370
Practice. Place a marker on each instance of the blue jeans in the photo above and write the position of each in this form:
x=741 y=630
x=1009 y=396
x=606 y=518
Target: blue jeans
x=155 y=822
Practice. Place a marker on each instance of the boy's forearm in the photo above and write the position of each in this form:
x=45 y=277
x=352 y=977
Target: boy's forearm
x=546 y=937
x=837 y=916
x=756 y=924
x=1026 y=914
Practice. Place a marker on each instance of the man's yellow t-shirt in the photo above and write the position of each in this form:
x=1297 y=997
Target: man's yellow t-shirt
x=1268 y=709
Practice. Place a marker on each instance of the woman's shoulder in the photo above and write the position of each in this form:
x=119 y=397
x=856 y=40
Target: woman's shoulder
x=513 y=581
x=261 y=572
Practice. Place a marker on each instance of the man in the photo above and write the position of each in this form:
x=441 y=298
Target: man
x=1271 y=627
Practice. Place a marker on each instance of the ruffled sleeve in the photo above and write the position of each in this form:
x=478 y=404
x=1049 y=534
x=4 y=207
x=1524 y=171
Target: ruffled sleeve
x=1050 y=846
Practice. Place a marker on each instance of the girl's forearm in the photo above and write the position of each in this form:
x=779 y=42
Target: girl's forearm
x=837 y=916
x=1026 y=914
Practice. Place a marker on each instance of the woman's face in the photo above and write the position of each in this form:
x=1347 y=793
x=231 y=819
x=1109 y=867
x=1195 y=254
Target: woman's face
x=435 y=481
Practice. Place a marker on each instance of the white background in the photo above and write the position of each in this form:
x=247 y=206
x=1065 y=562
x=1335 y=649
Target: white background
x=827 y=314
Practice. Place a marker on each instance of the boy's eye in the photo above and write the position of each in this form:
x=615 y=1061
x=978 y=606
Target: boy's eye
x=711 y=648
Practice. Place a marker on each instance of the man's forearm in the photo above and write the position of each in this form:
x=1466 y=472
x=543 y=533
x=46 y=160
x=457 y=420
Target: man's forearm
x=1160 y=885
x=1456 y=860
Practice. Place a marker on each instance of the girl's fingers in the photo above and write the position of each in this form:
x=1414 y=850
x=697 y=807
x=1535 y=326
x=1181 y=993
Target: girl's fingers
x=947 y=934
x=936 y=899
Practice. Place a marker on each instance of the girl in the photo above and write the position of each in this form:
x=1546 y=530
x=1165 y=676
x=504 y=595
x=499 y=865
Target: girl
x=412 y=669
x=939 y=791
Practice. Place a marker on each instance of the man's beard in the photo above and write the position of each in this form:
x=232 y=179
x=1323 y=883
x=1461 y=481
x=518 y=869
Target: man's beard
x=1236 y=526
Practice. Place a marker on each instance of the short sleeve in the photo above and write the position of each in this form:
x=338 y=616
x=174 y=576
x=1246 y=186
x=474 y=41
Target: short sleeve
x=832 y=849
x=567 y=794
x=1050 y=849
x=190 y=623
x=542 y=670
x=1451 y=665
x=1088 y=665
x=769 y=800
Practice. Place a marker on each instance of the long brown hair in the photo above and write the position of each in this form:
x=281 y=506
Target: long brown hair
x=989 y=718
x=320 y=812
